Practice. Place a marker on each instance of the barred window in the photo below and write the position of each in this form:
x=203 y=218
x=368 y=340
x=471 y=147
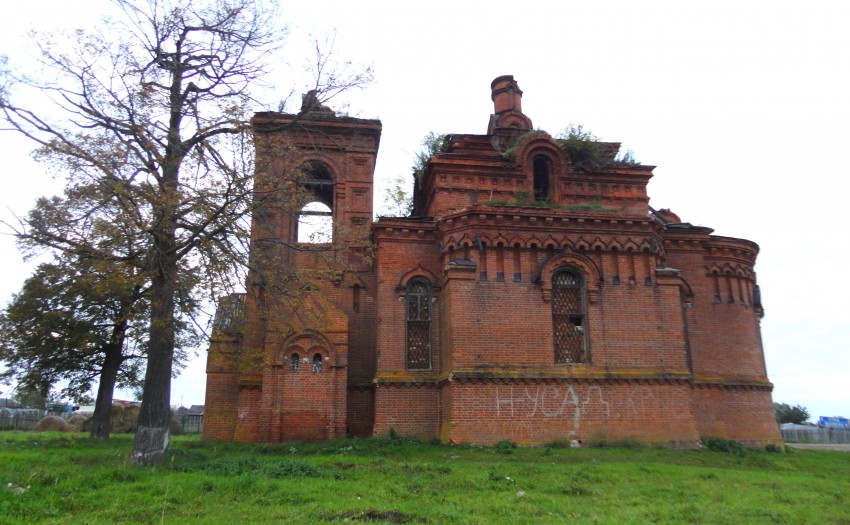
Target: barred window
x=294 y=361
x=569 y=319
x=418 y=356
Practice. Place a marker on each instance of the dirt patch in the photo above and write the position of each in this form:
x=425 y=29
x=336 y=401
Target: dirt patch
x=389 y=516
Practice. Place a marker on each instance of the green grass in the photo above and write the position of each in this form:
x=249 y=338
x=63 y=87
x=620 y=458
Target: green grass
x=73 y=480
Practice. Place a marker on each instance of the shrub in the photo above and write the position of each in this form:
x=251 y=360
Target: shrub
x=629 y=442
x=505 y=447
x=736 y=448
x=432 y=144
x=581 y=145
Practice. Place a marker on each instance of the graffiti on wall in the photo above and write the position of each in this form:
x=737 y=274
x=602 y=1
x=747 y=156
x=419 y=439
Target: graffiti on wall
x=561 y=401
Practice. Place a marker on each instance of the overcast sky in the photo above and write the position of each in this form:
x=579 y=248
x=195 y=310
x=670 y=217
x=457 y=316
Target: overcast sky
x=743 y=106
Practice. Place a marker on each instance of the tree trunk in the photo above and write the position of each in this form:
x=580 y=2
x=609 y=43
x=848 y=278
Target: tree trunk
x=155 y=414
x=102 y=418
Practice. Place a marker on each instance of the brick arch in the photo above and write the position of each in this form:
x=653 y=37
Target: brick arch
x=551 y=242
x=450 y=244
x=419 y=271
x=539 y=144
x=334 y=169
x=713 y=269
x=630 y=246
x=590 y=272
x=540 y=147
x=742 y=270
x=301 y=343
x=501 y=239
x=514 y=120
x=581 y=244
x=514 y=241
x=598 y=244
x=566 y=243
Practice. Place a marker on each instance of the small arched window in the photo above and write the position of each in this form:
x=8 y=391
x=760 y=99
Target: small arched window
x=294 y=362
x=569 y=318
x=315 y=220
x=317 y=363
x=418 y=352
x=542 y=167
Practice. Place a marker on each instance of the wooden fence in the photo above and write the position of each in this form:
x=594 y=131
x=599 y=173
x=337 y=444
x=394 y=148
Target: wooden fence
x=27 y=419
x=22 y=419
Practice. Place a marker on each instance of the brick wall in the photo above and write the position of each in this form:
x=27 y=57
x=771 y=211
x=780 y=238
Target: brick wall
x=538 y=412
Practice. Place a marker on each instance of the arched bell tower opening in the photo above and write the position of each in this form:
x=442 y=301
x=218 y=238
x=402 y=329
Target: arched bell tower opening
x=315 y=219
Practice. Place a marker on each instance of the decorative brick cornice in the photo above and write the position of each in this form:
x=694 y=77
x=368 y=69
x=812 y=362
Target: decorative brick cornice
x=531 y=374
x=732 y=383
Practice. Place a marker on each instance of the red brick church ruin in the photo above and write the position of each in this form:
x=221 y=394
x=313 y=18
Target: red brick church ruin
x=533 y=295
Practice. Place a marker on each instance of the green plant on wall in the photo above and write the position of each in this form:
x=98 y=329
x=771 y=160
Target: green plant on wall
x=432 y=144
x=591 y=206
x=510 y=153
x=581 y=145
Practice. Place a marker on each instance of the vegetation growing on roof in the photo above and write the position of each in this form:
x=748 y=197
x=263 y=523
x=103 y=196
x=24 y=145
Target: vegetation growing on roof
x=581 y=145
x=432 y=144
x=587 y=151
x=510 y=153
x=592 y=206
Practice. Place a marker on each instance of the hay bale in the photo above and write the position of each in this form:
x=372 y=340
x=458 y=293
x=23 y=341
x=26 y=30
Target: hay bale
x=129 y=420
x=75 y=423
x=51 y=424
x=116 y=415
x=131 y=412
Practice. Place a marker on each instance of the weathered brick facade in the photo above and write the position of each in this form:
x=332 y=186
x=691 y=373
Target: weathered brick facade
x=533 y=295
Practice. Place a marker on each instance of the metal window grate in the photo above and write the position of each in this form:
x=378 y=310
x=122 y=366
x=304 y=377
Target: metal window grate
x=568 y=318
x=418 y=326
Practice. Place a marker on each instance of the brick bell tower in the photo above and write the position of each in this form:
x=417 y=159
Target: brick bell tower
x=278 y=365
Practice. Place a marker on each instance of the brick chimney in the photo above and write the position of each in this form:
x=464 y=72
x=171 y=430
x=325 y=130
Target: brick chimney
x=506 y=94
x=507 y=120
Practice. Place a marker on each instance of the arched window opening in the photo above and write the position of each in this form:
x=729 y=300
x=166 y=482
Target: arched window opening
x=315 y=220
x=294 y=362
x=315 y=224
x=542 y=183
x=317 y=363
x=569 y=318
x=418 y=352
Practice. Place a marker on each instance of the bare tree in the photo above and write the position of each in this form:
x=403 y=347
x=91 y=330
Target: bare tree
x=155 y=113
